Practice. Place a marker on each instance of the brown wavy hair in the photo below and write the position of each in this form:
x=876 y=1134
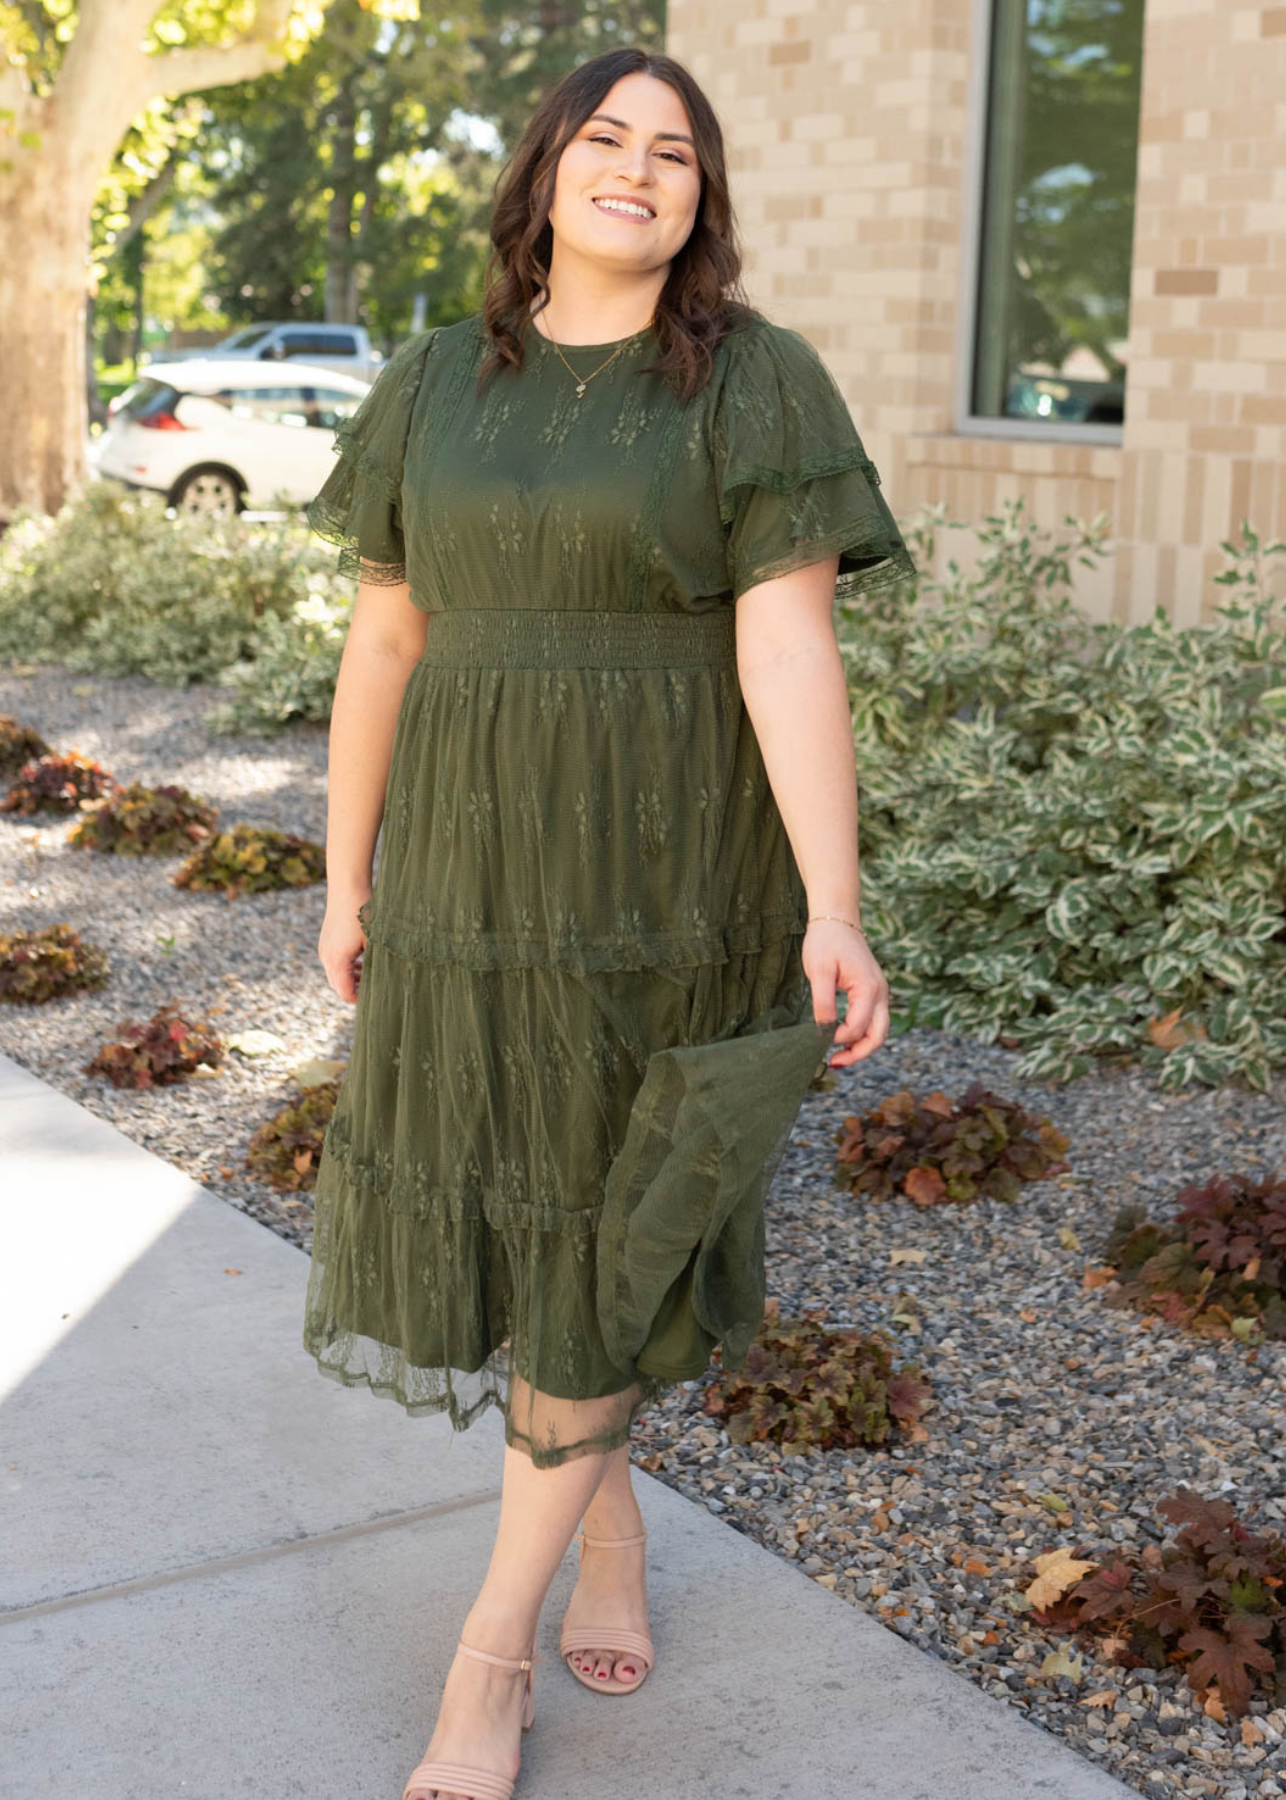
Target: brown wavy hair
x=702 y=299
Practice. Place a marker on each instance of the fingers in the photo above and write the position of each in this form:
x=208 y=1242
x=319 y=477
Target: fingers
x=864 y=1037
x=344 y=977
x=866 y=1021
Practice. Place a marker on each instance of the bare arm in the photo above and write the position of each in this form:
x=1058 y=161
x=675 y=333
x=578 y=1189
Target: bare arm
x=385 y=640
x=793 y=684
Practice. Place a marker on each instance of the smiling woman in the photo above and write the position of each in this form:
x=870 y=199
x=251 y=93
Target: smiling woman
x=592 y=997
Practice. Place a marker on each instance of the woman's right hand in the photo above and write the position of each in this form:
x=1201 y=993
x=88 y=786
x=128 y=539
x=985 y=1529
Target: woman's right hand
x=341 y=944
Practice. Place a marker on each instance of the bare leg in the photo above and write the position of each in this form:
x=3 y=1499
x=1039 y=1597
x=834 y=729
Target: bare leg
x=612 y=1584
x=479 y=1720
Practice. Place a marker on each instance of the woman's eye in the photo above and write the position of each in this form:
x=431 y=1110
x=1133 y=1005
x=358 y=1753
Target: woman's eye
x=601 y=137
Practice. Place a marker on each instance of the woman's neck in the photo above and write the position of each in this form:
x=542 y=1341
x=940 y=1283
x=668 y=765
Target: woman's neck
x=586 y=319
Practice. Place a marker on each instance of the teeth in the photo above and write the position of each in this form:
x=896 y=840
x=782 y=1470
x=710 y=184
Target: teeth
x=625 y=206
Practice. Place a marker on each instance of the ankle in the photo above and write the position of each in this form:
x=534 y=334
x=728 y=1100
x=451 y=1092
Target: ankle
x=499 y=1630
x=620 y=1520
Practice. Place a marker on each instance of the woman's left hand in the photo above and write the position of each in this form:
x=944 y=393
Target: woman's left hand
x=835 y=956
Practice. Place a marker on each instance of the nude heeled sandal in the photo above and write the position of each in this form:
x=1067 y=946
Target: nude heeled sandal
x=463 y=1778
x=610 y=1639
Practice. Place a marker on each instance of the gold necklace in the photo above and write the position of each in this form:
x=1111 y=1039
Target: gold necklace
x=582 y=382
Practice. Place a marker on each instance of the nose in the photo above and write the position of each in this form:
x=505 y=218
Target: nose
x=636 y=168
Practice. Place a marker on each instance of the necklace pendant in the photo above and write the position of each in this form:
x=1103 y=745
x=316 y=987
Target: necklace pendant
x=580 y=389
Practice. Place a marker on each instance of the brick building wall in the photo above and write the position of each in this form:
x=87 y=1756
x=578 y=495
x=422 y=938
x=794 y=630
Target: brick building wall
x=852 y=131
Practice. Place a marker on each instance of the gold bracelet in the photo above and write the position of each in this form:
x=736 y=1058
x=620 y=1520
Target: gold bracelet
x=839 y=921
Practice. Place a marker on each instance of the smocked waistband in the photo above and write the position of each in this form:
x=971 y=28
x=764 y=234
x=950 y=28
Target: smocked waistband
x=559 y=637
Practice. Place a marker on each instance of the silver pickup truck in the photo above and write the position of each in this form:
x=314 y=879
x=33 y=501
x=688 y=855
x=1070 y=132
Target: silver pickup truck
x=345 y=347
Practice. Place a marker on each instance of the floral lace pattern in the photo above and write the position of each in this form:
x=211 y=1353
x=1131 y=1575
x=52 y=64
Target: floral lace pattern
x=583 y=1031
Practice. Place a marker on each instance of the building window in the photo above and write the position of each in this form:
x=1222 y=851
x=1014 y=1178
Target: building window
x=1057 y=217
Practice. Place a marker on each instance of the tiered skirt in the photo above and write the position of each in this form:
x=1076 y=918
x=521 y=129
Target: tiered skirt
x=582 y=1032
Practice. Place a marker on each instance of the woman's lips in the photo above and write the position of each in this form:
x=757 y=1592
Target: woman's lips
x=613 y=212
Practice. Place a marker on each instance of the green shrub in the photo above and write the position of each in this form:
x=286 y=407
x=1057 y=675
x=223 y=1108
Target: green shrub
x=1217 y=1268
x=112 y=584
x=145 y=821
x=158 y=1052
x=57 y=784
x=253 y=859
x=805 y=1385
x=1073 y=834
x=47 y=964
x=293 y=671
x=937 y=1150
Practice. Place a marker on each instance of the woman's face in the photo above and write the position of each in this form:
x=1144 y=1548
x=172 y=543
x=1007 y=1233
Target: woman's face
x=637 y=148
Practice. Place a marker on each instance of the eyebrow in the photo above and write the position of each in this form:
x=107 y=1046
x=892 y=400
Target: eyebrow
x=679 y=135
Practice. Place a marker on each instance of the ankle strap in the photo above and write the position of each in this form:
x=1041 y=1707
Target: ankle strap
x=610 y=1543
x=504 y=1662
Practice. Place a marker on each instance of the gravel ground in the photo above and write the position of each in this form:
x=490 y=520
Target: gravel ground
x=1038 y=1387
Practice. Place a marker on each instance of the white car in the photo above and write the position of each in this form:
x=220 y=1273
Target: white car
x=216 y=435
x=344 y=347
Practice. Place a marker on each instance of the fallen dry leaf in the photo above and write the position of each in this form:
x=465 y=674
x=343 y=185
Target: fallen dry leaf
x=1058 y=1570
x=1062 y=1662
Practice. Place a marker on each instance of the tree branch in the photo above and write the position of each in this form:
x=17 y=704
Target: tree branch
x=109 y=37
x=141 y=207
x=219 y=65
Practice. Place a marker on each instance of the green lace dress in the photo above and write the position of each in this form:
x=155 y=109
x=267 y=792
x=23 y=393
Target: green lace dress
x=582 y=1032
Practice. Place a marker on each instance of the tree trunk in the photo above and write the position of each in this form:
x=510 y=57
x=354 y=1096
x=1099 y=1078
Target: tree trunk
x=55 y=149
x=340 y=296
x=93 y=399
x=43 y=369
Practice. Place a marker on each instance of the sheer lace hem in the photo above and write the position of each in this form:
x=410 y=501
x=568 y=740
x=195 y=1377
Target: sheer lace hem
x=868 y=561
x=418 y=1341
x=331 y=521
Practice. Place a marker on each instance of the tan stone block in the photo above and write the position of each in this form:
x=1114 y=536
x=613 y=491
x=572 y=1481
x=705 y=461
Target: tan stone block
x=1224 y=310
x=1222 y=440
x=1187 y=344
x=1185 y=281
x=1262 y=409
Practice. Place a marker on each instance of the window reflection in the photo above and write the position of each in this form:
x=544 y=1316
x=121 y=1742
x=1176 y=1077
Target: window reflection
x=1058 y=210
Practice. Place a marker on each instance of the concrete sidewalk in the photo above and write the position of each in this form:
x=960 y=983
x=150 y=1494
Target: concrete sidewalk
x=223 y=1575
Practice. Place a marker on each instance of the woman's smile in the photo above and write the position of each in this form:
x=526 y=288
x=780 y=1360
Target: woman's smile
x=636 y=212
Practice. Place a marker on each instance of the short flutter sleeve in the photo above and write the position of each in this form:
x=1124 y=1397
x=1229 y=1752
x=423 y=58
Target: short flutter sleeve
x=359 y=508
x=795 y=483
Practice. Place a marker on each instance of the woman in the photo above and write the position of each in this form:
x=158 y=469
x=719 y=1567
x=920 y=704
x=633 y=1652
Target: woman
x=592 y=696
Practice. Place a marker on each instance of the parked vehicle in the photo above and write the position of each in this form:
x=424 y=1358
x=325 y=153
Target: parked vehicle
x=343 y=347
x=216 y=435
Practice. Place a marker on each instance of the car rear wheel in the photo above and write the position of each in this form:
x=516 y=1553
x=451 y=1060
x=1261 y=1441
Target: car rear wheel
x=213 y=493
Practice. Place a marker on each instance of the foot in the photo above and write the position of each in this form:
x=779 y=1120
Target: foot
x=611 y=1590
x=480 y=1715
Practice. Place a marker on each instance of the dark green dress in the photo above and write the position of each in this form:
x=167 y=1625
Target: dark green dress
x=583 y=1032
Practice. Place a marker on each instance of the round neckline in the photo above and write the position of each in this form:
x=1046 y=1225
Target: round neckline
x=609 y=344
